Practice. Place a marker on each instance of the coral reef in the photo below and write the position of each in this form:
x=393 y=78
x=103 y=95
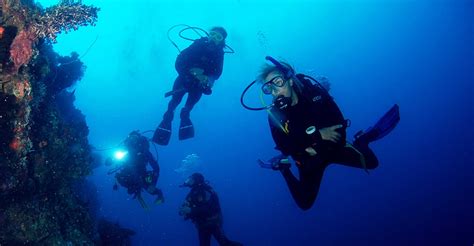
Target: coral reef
x=35 y=23
x=44 y=152
x=66 y=16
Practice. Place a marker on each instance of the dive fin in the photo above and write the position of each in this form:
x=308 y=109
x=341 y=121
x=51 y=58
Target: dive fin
x=186 y=129
x=383 y=126
x=162 y=134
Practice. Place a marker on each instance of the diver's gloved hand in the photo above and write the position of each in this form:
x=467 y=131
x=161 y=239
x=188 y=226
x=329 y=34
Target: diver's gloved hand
x=278 y=162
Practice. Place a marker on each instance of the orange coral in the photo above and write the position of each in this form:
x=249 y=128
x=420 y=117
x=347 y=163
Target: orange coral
x=1 y=31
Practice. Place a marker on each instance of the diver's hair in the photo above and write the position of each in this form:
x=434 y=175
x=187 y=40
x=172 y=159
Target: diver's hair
x=220 y=30
x=267 y=69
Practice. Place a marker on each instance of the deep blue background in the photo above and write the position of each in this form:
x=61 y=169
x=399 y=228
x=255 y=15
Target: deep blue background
x=419 y=54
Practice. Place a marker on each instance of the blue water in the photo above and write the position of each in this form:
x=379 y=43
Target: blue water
x=419 y=54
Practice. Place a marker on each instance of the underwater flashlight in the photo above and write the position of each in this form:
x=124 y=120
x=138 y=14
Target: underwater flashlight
x=120 y=154
x=116 y=162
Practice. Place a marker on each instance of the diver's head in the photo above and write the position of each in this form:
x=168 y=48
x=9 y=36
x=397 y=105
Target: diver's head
x=196 y=179
x=217 y=35
x=135 y=142
x=278 y=82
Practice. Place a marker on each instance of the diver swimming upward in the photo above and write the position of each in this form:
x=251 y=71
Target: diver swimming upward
x=198 y=67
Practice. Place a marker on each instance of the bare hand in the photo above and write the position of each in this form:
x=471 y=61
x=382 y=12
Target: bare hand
x=330 y=133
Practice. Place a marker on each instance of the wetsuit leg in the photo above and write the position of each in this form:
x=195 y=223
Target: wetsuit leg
x=204 y=236
x=221 y=238
x=369 y=156
x=306 y=189
x=179 y=83
x=193 y=97
x=359 y=156
x=219 y=235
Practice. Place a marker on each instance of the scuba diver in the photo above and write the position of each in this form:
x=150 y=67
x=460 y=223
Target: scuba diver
x=203 y=208
x=198 y=67
x=131 y=171
x=307 y=125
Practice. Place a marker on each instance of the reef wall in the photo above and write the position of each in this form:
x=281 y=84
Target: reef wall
x=44 y=151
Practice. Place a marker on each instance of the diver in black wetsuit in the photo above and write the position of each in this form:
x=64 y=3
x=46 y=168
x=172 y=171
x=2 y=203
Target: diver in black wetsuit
x=203 y=208
x=132 y=171
x=307 y=125
x=198 y=67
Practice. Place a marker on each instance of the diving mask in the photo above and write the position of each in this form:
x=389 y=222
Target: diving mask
x=271 y=85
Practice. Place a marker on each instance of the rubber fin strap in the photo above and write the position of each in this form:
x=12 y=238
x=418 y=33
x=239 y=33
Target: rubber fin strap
x=272 y=116
x=361 y=156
